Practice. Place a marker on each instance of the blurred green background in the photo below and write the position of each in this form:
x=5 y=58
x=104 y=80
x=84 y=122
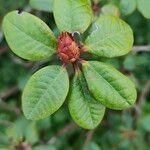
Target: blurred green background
x=119 y=130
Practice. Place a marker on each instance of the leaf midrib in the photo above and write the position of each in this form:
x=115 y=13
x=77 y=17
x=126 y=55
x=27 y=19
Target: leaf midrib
x=105 y=38
x=17 y=28
x=87 y=103
x=110 y=85
x=32 y=112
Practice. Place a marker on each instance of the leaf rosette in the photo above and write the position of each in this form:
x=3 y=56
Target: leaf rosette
x=95 y=85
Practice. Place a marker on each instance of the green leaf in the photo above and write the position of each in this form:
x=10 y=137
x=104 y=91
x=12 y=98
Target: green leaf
x=16 y=131
x=144 y=7
x=22 y=128
x=130 y=62
x=44 y=5
x=45 y=147
x=31 y=133
x=110 y=9
x=90 y=3
x=28 y=36
x=112 y=37
x=93 y=146
x=145 y=122
x=72 y=15
x=45 y=92
x=128 y=6
x=109 y=86
x=84 y=109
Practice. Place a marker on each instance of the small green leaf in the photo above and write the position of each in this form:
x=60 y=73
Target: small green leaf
x=89 y=1
x=44 y=5
x=110 y=9
x=145 y=122
x=45 y=92
x=109 y=86
x=84 y=109
x=28 y=36
x=128 y=6
x=144 y=7
x=72 y=15
x=130 y=62
x=45 y=147
x=112 y=37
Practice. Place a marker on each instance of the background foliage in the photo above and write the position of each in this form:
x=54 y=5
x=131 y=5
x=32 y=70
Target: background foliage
x=123 y=130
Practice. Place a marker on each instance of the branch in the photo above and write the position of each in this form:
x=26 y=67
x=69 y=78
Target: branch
x=21 y=62
x=5 y=122
x=142 y=97
x=88 y=139
x=3 y=49
x=66 y=129
x=9 y=108
x=141 y=48
x=144 y=92
x=6 y=94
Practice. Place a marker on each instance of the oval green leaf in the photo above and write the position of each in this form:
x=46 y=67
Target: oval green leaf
x=109 y=86
x=84 y=109
x=144 y=7
x=28 y=36
x=72 y=15
x=45 y=92
x=111 y=38
x=128 y=6
x=110 y=9
x=43 y=5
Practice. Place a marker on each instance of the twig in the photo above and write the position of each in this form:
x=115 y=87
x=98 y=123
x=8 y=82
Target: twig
x=22 y=62
x=142 y=96
x=5 y=122
x=66 y=129
x=38 y=64
x=88 y=139
x=6 y=94
x=3 y=49
x=5 y=106
x=144 y=92
x=142 y=48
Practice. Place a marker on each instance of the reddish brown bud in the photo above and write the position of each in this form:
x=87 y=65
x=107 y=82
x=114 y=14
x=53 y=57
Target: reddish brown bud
x=95 y=8
x=67 y=48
